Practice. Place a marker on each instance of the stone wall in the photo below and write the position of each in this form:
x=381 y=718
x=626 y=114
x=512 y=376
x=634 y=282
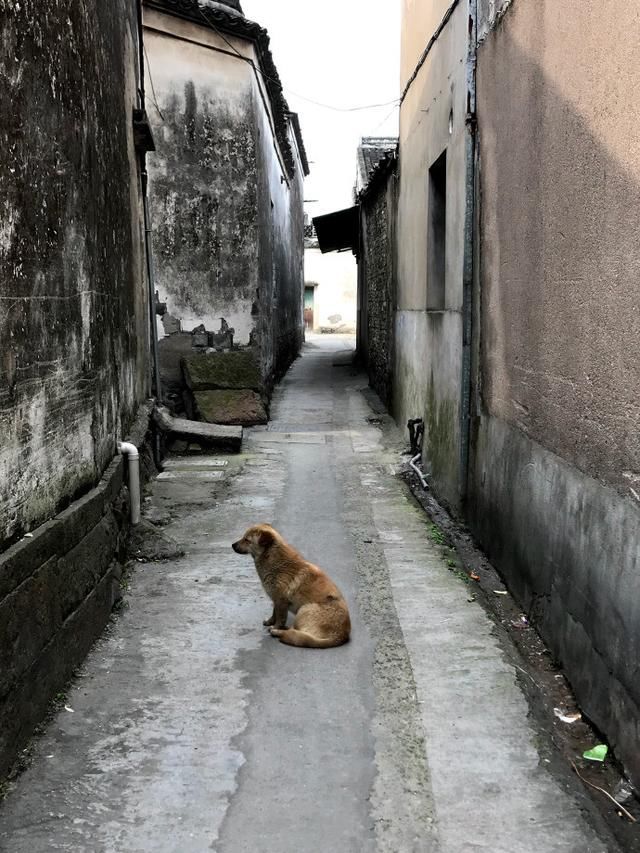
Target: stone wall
x=379 y=211
x=58 y=587
x=280 y=252
x=73 y=321
x=555 y=474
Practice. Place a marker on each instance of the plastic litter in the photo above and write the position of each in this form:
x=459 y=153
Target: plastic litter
x=598 y=753
x=567 y=718
x=500 y=591
x=623 y=791
x=474 y=576
x=70 y=710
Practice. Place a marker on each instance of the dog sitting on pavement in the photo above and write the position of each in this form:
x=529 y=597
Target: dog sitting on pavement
x=322 y=616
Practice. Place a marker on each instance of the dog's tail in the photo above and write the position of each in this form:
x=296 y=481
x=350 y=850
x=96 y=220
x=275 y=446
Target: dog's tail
x=293 y=637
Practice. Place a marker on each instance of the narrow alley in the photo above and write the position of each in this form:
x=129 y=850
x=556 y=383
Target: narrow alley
x=189 y=729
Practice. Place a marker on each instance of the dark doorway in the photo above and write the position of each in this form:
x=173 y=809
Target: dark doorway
x=437 y=237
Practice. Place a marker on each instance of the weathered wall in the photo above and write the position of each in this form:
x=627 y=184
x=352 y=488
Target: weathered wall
x=73 y=322
x=73 y=337
x=428 y=360
x=336 y=275
x=57 y=591
x=378 y=212
x=280 y=246
x=555 y=495
x=228 y=213
x=203 y=176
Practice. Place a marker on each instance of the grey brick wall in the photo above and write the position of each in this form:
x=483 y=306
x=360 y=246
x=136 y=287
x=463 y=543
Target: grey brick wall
x=378 y=280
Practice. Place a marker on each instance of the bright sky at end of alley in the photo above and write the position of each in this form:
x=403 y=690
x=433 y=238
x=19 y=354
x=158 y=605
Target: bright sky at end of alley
x=343 y=53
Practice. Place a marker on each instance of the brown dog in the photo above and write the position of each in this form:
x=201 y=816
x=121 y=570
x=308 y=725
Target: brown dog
x=322 y=616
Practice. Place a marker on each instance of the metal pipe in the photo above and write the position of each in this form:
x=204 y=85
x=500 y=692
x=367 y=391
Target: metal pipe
x=133 y=458
x=469 y=250
x=141 y=55
x=150 y=280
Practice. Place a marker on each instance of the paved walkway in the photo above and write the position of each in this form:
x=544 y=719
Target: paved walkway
x=192 y=730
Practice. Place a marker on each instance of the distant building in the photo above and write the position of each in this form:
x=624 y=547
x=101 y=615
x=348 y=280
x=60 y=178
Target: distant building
x=371 y=151
x=329 y=288
x=226 y=187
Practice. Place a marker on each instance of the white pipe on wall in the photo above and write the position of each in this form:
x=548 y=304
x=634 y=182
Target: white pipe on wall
x=423 y=479
x=133 y=457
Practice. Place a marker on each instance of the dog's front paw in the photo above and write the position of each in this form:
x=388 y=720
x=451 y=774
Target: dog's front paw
x=268 y=622
x=277 y=632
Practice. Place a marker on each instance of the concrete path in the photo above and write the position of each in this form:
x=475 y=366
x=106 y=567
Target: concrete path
x=191 y=730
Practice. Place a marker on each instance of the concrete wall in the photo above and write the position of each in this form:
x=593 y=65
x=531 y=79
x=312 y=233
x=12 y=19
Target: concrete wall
x=336 y=277
x=428 y=362
x=228 y=215
x=556 y=460
x=73 y=337
x=73 y=324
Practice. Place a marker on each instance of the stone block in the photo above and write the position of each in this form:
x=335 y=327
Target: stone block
x=200 y=340
x=206 y=435
x=231 y=407
x=28 y=620
x=26 y=704
x=238 y=369
x=24 y=558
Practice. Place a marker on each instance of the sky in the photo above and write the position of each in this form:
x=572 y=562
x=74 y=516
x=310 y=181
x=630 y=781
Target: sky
x=342 y=53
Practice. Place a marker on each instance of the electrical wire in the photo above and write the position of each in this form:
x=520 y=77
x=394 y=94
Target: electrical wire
x=395 y=101
x=153 y=90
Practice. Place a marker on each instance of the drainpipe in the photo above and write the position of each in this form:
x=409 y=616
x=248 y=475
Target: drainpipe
x=145 y=144
x=151 y=278
x=133 y=458
x=469 y=247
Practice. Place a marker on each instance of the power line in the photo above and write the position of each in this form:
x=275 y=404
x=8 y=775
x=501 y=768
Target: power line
x=153 y=90
x=395 y=101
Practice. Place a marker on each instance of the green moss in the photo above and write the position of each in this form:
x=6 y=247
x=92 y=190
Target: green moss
x=220 y=370
x=436 y=535
x=230 y=406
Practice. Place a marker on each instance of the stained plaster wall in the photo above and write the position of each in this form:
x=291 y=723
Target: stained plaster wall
x=228 y=218
x=280 y=286
x=555 y=481
x=203 y=176
x=73 y=321
x=428 y=344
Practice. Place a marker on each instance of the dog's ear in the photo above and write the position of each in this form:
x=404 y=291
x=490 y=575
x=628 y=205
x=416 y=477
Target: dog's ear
x=265 y=538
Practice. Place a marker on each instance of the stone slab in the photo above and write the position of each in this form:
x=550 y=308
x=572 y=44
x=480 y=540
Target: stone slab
x=210 y=435
x=231 y=406
x=208 y=371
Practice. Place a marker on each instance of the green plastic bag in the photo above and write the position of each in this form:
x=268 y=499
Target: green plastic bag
x=598 y=753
